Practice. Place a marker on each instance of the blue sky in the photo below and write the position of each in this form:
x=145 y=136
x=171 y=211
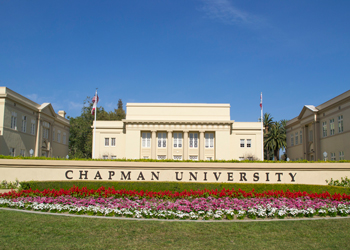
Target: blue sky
x=186 y=51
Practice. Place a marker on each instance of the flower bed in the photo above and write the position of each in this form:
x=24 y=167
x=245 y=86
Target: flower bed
x=187 y=205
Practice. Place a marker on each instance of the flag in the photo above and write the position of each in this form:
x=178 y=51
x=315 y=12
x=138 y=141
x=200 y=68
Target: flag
x=94 y=101
x=261 y=100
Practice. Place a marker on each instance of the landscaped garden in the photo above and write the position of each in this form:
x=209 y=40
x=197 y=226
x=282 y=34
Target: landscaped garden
x=224 y=204
x=266 y=215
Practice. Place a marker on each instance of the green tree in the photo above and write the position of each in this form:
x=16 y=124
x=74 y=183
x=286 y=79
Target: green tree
x=80 y=133
x=268 y=122
x=275 y=139
x=119 y=113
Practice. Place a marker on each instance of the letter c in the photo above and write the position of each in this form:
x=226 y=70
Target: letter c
x=69 y=178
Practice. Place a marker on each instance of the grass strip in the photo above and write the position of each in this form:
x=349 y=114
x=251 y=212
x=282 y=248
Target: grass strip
x=33 y=231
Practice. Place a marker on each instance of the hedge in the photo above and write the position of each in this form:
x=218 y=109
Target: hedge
x=167 y=160
x=180 y=186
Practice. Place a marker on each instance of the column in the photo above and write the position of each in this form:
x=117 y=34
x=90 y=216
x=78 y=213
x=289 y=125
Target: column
x=317 y=146
x=38 y=137
x=169 y=144
x=305 y=143
x=153 y=144
x=201 y=145
x=185 y=145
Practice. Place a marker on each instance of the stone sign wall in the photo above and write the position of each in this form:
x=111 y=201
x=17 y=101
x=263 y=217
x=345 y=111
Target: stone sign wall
x=65 y=170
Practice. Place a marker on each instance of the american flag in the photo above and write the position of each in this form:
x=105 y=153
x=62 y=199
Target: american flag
x=94 y=101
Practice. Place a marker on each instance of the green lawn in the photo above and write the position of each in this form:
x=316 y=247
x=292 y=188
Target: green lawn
x=20 y=230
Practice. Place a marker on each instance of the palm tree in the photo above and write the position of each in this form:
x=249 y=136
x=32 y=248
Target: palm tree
x=268 y=121
x=275 y=139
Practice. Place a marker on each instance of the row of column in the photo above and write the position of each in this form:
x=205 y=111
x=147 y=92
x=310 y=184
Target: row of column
x=184 y=144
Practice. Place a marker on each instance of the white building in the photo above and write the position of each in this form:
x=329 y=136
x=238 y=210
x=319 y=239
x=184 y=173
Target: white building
x=178 y=131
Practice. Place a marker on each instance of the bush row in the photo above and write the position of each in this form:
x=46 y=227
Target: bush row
x=180 y=186
x=167 y=160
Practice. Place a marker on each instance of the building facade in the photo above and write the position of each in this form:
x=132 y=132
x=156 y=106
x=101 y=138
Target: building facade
x=26 y=125
x=322 y=132
x=178 y=131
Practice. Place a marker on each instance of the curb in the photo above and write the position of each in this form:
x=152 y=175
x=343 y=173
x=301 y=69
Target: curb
x=162 y=220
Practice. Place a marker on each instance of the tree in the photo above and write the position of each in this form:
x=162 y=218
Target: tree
x=268 y=122
x=275 y=139
x=80 y=133
x=119 y=113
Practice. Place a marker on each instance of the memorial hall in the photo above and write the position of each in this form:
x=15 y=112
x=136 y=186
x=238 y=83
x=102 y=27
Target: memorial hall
x=178 y=131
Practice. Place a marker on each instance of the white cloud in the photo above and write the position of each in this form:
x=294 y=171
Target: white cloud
x=225 y=12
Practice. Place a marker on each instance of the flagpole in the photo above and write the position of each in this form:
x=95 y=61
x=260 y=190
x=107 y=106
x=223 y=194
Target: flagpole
x=262 y=127
x=94 y=136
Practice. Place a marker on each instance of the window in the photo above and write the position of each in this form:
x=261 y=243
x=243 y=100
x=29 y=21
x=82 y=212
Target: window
x=311 y=136
x=161 y=157
x=249 y=143
x=32 y=127
x=242 y=143
x=53 y=134
x=331 y=127
x=113 y=142
x=161 y=140
x=59 y=136
x=146 y=157
x=341 y=155
x=209 y=140
x=64 y=138
x=22 y=152
x=46 y=127
x=45 y=133
x=178 y=157
x=194 y=157
x=105 y=157
x=14 y=120
x=333 y=157
x=241 y=158
x=340 y=124
x=178 y=140
x=292 y=140
x=296 y=138
x=106 y=142
x=146 y=140
x=12 y=151
x=209 y=158
x=193 y=140
x=324 y=129
x=24 y=123
x=113 y=157
x=301 y=137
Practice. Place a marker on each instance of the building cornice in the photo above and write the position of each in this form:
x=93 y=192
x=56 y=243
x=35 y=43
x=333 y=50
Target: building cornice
x=176 y=122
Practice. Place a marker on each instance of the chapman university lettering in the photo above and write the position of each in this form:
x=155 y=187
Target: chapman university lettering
x=223 y=176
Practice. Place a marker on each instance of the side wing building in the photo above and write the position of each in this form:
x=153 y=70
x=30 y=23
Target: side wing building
x=26 y=125
x=322 y=132
x=178 y=131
